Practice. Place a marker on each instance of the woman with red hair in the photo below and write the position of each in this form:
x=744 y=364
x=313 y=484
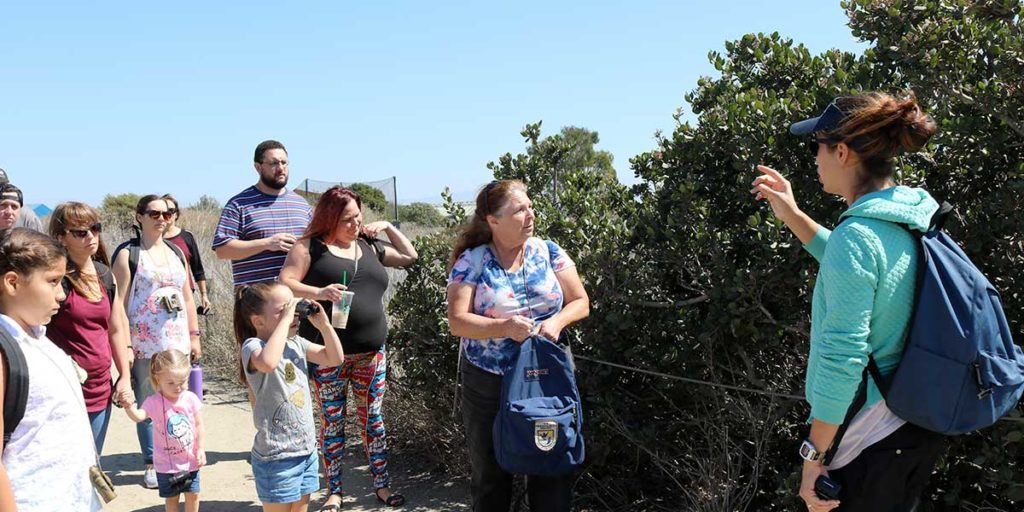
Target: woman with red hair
x=338 y=253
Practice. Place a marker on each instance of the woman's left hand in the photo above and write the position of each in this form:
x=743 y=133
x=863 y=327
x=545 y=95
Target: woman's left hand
x=812 y=470
x=205 y=302
x=374 y=228
x=550 y=329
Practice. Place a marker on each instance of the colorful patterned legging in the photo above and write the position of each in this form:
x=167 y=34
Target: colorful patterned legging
x=366 y=374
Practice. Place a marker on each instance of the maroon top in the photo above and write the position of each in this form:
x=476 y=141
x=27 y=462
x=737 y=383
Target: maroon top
x=81 y=330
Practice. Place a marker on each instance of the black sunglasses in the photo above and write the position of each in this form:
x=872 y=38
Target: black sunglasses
x=487 y=192
x=156 y=214
x=95 y=229
x=814 y=142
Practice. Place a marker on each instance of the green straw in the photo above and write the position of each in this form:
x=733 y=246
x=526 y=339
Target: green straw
x=344 y=277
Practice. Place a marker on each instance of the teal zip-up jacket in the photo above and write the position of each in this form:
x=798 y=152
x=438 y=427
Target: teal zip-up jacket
x=863 y=297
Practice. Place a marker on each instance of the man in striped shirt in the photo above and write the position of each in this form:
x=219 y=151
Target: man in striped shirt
x=260 y=225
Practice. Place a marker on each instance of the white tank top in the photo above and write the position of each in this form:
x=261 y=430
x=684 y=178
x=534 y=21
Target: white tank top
x=51 y=450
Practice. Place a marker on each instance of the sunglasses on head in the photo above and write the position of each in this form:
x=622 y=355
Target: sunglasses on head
x=95 y=229
x=156 y=214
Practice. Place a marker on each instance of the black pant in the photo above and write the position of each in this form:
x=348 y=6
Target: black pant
x=491 y=486
x=889 y=475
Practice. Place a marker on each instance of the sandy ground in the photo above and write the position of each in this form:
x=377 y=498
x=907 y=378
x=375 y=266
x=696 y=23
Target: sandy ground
x=227 y=481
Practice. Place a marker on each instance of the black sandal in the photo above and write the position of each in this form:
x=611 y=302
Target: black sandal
x=333 y=507
x=394 y=500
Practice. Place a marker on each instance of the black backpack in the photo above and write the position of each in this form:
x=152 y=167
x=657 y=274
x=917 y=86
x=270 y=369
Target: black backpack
x=133 y=258
x=16 y=383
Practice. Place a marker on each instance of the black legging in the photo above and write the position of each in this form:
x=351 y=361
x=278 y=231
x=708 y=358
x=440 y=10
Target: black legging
x=491 y=486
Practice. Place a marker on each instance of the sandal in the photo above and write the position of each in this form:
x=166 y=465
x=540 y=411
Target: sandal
x=394 y=500
x=333 y=507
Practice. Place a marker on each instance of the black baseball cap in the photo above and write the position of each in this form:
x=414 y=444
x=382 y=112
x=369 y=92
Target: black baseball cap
x=829 y=120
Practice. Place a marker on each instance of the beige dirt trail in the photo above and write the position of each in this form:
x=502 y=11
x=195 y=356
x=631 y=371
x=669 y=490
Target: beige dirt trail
x=227 y=481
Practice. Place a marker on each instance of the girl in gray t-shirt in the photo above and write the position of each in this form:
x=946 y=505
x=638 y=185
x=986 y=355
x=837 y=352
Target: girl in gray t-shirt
x=273 y=364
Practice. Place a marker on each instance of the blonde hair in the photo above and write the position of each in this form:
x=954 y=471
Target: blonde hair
x=167 y=361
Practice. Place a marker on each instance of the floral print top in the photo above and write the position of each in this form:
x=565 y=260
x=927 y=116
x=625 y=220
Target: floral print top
x=152 y=327
x=501 y=294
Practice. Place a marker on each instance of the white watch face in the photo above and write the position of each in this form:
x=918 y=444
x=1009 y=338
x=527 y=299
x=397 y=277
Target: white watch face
x=808 y=452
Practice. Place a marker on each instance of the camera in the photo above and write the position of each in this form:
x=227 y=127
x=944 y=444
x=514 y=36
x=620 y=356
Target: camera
x=305 y=309
x=171 y=303
x=826 y=488
x=180 y=481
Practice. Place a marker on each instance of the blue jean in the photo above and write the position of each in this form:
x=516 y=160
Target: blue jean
x=143 y=388
x=99 y=421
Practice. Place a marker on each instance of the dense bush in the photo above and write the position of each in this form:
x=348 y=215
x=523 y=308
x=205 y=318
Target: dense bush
x=689 y=276
x=423 y=214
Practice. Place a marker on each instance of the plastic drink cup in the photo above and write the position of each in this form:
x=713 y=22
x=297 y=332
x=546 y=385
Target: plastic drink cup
x=340 y=309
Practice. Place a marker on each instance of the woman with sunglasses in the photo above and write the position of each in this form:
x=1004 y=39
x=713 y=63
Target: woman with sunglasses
x=91 y=325
x=186 y=241
x=159 y=304
x=862 y=302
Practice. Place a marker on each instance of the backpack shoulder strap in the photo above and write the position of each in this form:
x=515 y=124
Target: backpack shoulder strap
x=16 y=383
x=376 y=245
x=316 y=249
x=107 y=278
x=177 y=252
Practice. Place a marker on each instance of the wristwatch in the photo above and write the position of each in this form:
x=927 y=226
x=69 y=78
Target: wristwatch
x=809 y=453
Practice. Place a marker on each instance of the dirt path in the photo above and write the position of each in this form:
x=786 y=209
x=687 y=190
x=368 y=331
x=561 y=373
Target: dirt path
x=227 y=481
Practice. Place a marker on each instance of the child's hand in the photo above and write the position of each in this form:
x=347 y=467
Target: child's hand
x=126 y=398
x=319 y=319
x=201 y=458
x=289 y=311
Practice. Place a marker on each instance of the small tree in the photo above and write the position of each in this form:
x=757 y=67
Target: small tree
x=423 y=214
x=206 y=202
x=372 y=198
x=120 y=203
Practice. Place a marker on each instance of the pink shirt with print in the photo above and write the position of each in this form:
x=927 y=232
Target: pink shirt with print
x=175 y=447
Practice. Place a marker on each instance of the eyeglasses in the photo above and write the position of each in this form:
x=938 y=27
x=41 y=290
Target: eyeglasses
x=156 y=214
x=276 y=163
x=95 y=229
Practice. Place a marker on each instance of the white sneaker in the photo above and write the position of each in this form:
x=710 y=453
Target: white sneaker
x=149 y=478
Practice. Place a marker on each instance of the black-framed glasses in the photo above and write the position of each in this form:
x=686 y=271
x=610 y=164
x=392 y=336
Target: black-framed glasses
x=95 y=229
x=156 y=214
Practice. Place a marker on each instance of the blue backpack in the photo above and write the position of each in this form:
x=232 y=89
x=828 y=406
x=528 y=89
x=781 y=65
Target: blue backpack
x=537 y=430
x=960 y=369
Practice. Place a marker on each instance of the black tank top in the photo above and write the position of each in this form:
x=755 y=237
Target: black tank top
x=367 y=327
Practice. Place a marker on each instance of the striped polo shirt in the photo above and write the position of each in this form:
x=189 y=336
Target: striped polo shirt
x=252 y=215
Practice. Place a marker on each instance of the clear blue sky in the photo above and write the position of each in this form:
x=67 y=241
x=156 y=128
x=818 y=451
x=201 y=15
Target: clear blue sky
x=110 y=97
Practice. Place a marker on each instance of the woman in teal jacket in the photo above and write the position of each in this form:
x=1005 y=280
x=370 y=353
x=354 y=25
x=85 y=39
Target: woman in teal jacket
x=863 y=299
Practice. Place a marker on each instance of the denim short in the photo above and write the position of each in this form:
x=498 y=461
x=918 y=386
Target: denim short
x=286 y=480
x=169 y=491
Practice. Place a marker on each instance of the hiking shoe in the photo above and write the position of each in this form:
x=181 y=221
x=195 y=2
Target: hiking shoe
x=149 y=478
